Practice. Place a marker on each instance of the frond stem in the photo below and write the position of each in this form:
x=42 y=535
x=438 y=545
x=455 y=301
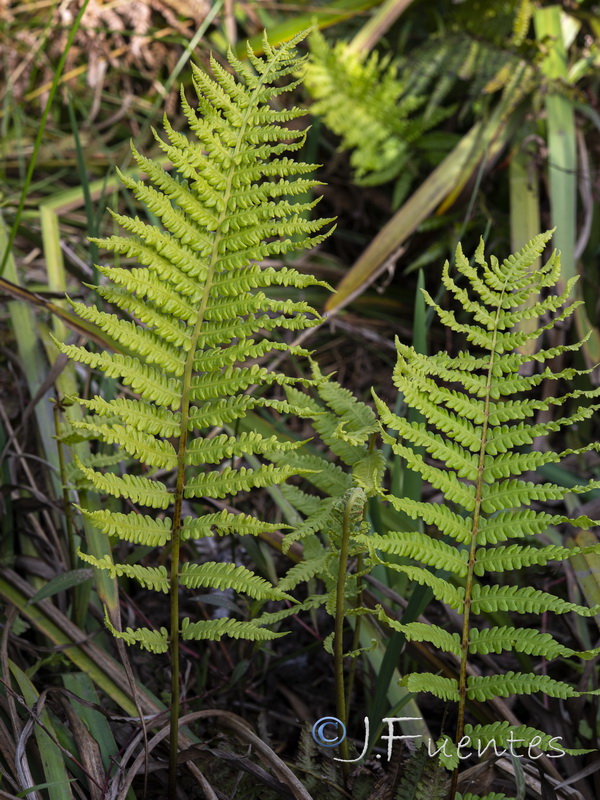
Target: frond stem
x=462 y=679
x=355 y=496
x=340 y=618
x=181 y=453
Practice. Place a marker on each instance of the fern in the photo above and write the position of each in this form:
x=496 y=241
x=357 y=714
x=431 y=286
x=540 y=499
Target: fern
x=470 y=448
x=363 y=100
x=195 y=306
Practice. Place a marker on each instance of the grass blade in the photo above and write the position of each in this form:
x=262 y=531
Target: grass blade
x=40 y=135
x=562 y=158
x=57 y=780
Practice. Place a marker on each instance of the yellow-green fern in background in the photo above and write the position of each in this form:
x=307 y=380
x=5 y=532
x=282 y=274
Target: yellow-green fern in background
x=364 y=99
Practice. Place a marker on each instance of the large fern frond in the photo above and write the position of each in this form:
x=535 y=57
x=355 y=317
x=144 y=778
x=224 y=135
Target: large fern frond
x=194 y=319
x=473 y=442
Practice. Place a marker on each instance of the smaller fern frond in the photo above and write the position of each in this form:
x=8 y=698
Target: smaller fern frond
x=133 y=527
x=220 y=575
x=363 y=99
x=145 y=491
x=424 y=632
x=522 y=640
x=486 y=687
x=444 y=688
x=154 y=578
x=215 y=629
x=154 y=641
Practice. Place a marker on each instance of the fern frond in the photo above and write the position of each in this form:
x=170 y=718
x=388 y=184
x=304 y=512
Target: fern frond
x=145 y=447
x=489 y=796
x=273 y=617
x=133 y=527
x=424 y=632
x=229 y=576
x=155 y=578
x=483 y=737
x=302 y=572
x=154 y=641
x=524 y=522
x=315 y=521
x=232 y=481
x=451 y=453
x=325 y=476
x=514 y=556
x=423 y=548
x=515 y=493
x=224 y=447
x=223 y=411
x=198 y=313
x=475 y=426
x=148 y=382
x=422 y=778
x=506 y=464
x=305 y=503
x=144 y=491
x=446 y=520
x=485 y=687
x=215 y=629
x=442 y=590
x=522 y=640
x=524 y=600
x=137 y=414
x=223 y=523
x=364 y=101
x=444 y=688
x=143 y=342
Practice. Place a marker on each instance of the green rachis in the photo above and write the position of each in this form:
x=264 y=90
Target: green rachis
x=196 y=323
x=475 y=442
x=195 y=315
